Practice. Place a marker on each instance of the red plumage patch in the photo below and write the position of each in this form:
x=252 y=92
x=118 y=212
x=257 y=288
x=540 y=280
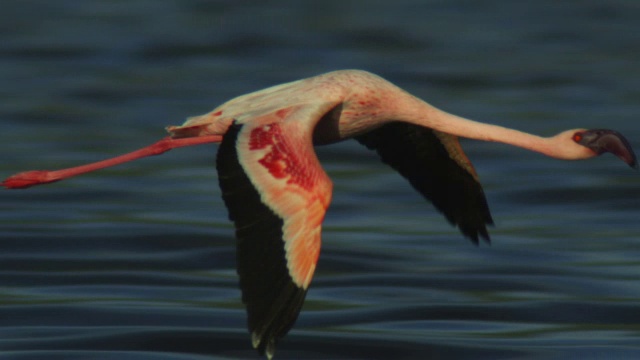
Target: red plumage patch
x=282 y=161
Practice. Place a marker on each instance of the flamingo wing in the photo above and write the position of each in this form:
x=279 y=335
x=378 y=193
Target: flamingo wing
x=277 y=194
x=436 y=167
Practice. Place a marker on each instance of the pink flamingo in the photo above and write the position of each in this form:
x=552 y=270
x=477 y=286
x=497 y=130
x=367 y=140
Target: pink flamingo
x=277 y=193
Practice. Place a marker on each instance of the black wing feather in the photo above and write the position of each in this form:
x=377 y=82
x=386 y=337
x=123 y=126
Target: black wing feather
x=420 y=156
x=272 y=299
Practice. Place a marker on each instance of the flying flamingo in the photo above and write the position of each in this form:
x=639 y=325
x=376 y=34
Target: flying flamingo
x=277 y=193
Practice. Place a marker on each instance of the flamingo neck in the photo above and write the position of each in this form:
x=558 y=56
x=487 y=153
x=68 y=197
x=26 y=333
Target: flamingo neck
x=439 y=120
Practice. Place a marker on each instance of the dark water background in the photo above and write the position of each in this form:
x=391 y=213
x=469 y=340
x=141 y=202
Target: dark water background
x=137 y=262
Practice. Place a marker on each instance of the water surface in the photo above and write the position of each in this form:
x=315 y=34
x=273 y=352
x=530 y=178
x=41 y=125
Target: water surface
x=137 y=262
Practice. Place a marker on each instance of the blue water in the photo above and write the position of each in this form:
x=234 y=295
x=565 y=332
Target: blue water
x=137 y=262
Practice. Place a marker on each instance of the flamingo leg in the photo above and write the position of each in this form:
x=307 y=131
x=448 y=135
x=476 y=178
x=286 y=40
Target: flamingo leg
x=36 y=177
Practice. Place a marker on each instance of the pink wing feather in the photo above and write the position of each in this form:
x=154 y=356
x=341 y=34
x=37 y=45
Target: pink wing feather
x=283 y=167
x=277 y=195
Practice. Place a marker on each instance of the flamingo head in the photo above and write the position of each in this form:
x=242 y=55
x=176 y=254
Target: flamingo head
x=599 y=141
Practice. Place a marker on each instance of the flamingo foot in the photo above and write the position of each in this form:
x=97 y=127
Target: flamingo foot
x=27 y=179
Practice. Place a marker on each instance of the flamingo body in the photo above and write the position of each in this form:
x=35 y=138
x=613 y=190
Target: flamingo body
x=277 y=193
x=348 y=102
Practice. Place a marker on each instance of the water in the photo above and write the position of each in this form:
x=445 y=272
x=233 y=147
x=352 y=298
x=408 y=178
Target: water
x=137 y=262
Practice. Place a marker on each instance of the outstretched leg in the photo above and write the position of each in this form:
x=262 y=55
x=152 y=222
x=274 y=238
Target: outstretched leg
x=36 y=177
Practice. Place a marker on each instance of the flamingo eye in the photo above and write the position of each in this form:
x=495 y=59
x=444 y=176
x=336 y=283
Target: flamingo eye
x=577 y=137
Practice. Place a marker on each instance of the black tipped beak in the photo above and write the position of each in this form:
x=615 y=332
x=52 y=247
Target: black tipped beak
x=601 y=141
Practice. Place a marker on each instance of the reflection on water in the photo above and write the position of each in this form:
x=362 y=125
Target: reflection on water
x=137 y=262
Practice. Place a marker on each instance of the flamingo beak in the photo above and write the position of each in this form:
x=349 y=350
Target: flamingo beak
x=601 y=141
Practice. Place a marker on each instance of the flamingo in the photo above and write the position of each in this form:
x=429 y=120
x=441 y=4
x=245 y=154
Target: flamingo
x=277 y=193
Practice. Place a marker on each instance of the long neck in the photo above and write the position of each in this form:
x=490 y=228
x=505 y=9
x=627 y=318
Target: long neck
x=426 y=115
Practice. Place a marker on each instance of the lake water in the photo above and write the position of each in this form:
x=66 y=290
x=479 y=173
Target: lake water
x=137 y=261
